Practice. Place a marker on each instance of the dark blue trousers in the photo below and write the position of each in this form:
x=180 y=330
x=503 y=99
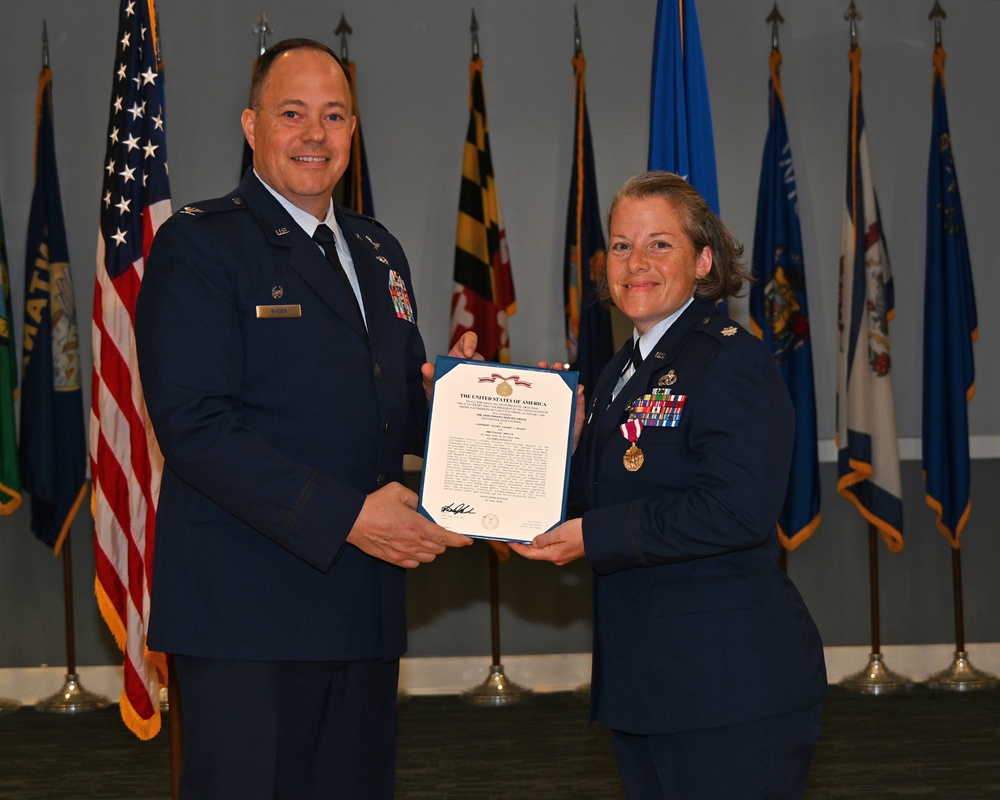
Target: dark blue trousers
x=763 y=759
x=287 y=730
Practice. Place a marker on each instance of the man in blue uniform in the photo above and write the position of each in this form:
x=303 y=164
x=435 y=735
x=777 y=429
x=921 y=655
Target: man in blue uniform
x=285 y=379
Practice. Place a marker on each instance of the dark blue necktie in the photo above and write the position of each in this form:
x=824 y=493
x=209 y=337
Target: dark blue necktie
x=636 y=357
x=325 y=238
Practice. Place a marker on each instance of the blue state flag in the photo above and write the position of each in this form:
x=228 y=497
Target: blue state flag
x=779 y=313
x=950 y=328
x=680 y=119
x=588 y=320
x=867 y=447
x=53 y=446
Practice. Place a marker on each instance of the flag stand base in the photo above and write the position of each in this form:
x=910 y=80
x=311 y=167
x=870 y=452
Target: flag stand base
x=72 y=699
x=496 y=690
x=7 y=705
x=876 y=678
x=961 y=676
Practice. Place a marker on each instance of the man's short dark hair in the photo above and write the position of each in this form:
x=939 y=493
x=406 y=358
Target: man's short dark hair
x=263 y=65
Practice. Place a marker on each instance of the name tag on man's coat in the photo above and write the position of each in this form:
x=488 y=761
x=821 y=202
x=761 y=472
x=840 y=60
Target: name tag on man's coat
x=278 y=312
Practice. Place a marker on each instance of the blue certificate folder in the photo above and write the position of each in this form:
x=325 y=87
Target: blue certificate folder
x=499 y=441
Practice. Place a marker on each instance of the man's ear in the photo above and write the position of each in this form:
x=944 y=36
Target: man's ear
x=248 y=120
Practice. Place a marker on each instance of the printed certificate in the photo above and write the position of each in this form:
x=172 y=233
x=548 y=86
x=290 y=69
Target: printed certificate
x=499 y=441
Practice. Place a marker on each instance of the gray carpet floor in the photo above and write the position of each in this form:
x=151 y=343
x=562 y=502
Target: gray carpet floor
x=921 y=744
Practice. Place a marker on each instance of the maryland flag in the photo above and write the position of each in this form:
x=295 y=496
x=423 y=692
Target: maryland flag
x=680 y=120
x=125 y=460
x=779 y=313
x=483 y=298
x=356 y=185
x=588 y=321
x=950 y=328
x=10 y=469
x=867 y=448
x=53 y=444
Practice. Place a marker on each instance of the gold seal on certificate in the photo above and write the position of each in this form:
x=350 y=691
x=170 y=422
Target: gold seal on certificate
x=496 y=465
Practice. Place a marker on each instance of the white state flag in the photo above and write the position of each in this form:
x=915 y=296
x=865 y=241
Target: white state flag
x=867 y=447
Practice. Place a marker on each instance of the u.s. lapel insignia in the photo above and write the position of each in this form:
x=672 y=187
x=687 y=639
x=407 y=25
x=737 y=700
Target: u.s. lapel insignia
x=667 y=380
x=374 y=244
x=659 y=356
x=383 y=259
x=281 y=231
x=730 y=331
x=276 y=292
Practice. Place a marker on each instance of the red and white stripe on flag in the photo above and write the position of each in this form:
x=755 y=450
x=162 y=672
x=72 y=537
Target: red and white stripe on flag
x=125 y=460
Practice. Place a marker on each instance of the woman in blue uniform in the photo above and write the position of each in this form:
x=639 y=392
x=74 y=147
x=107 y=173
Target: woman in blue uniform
x=707 y=667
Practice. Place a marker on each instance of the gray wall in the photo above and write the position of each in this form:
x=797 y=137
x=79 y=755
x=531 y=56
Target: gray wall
x=413 y=81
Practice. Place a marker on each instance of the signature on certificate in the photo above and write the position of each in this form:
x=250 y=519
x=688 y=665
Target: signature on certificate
x=458 y=508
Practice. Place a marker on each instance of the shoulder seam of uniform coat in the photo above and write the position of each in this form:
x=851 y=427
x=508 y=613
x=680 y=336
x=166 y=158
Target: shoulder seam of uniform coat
x=214 y=206
x=350 y=212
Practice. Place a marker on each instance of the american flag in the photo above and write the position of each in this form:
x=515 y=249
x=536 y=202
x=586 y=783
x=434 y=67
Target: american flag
x=125 y=460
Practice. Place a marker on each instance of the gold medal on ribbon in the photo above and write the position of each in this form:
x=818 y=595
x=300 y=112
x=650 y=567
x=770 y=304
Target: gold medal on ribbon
x=633 y=457
x=505 y=389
